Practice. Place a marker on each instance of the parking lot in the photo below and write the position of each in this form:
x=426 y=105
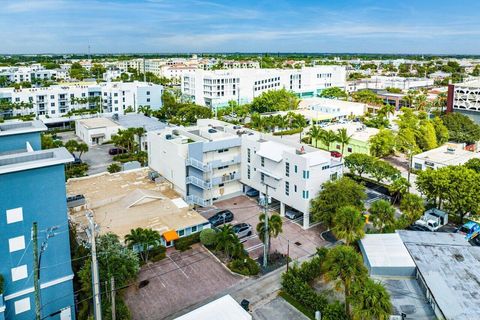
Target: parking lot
x=300 y=242
x=177 y=282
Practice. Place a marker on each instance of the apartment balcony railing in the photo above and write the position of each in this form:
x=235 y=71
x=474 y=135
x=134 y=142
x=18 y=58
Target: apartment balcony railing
x=206 y=185
x=220 y=163
x=198 y=164
x=226 y=178
x=198 y=201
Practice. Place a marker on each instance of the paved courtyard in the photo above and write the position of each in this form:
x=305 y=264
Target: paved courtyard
x=177 y=282
x=245 y=209
x=278 y=309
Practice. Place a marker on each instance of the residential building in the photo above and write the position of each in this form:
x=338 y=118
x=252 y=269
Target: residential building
x=383 y=82
x=220 y=309
x=338 y=109
x=108 y=98
x=216 y=88
x=359 y=138
x=32 y=190
x=450 y=154
x=240 y=64
x=134 y=201
x=216 y=160
x=465 y=99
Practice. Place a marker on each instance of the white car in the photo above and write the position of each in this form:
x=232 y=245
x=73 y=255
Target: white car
x=292 y=214
x=242 y=230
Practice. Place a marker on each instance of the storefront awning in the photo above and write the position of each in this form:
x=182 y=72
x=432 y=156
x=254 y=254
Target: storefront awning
x=170 y=235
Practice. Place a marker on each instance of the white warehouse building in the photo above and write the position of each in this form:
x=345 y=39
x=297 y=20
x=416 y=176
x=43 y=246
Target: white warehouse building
x=108 y=98
x=216 y=160
x=215 y=88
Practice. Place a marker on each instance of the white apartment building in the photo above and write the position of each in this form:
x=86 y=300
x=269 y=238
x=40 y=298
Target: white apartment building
x=216 y=160
x=240 y=64
x=383 y=82
x=215 y=88
x=109 y=98
x=465 y=98
x=30 y=73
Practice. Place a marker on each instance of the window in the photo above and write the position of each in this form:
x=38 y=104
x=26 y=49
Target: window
x=296 y=168
x=305 y=194
x=287 y=169
x=306 y=174
x=17 y=243
x=248 y=155
x=52 y=97
x=418 y=166
x=115 y=94
x=14 y=215
x=148 y=99
x=248 y=172
x=295 y=188
x=222 y=150
x=19 y=273
x=222 y=167
x=194 y=229
x=262 y=177
x=22 y=305
x=338 y=147
x=333 y=176
x=325 y=167
x=349 y=149
x=262 y=161
x=287 y=188
x=181 y=233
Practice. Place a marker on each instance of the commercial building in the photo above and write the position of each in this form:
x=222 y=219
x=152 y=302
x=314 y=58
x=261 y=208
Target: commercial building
x=32 y=190
x=383 y=82
x=338 y=109
x=217 y=87
x=465 y=98
x=224 y=308
x=134 y=201
x=98 y=130
x=359 y=138
x=450 y=154
x=216 y=160
x=56 y=101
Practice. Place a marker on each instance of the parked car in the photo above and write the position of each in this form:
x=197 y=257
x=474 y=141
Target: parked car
x=335 y=154
x=415 y=227
x=115 y=151
x=221 y=217
x=252 y=193
x=293 y=214
x=242 y=230
x=77 y=160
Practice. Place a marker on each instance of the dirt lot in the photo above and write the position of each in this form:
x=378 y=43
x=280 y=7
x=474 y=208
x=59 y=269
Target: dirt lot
x=245 y=209
x=179 y=281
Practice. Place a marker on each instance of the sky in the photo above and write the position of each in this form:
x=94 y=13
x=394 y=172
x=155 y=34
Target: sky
x=188 y=26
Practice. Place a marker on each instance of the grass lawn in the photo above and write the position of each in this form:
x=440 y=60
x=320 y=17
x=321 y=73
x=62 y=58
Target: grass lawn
x=306 y=311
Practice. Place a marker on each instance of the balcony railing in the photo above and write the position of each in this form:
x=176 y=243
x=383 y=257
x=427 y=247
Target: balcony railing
x=226 y=178
x=198 y=201
x=198 y=164
x=199 y=182
x=220 y=163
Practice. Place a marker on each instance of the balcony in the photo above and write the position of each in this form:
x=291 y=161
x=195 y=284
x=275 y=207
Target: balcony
x=206 y=185
x=198 y=201
x=198 y=164
x=226 y=178
x=219 y=163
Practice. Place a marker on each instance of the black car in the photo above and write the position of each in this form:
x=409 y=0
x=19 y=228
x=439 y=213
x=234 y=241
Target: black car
x=415 y=227
x=221 y=217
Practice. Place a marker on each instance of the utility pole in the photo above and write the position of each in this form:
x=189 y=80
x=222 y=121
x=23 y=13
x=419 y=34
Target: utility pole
x=36 y=280
x=112 y=292
x=288 y=252
x=265 y=212
x=97 y=307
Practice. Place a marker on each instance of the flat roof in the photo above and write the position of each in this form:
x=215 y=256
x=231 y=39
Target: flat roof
x=471 y=84
x=33 y=159
x=132 y=201
x=20 y=127
x=386 y=250
x=432 y=238
x=358 y=131
x=441 y=155
x=224 y=308
x=135 y=120
x=94 y=123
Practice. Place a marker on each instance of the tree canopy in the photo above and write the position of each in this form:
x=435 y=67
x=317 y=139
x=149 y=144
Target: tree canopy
x=274 y=100
x=461 y=128
x=333 y=93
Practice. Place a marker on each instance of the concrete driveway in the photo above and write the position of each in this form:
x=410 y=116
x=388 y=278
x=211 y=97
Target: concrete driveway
x=278 y=309
x=178 y=282
x=299 y=242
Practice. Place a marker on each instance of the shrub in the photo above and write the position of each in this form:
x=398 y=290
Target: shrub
x=288 y=132
x=114 y=167
x=185 y=243
x=334 y=311
x=158 y=253
x=246 y=267
x=207 y=237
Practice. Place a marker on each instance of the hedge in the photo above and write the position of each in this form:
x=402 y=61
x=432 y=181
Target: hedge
x=300 y=307
x=288 y=132
x=185 y=243
x=246 y=267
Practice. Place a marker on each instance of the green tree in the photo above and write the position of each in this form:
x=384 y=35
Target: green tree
x=97 y=70
x=441 y=131
x=348 y=224
x=461 y=128
x=114 y=167
x=315 y=133
x=368 y=97
x=398 y=188
x=77 y=71
x=274 y=100
x=473 y=164
x=208 y=237
x=334 y=93
x=344 y=266
x=274 y=227
x=383 y=143
x=335 y=195
x=328 y=137
x=382 y=170
x=49 y=143
x=343 y=138
x=359 y=163
x=144 y=240
x=426 y=136
x=370 y=300
x=412 y=207
x=228 y=242
x=476 y=71
x=382 y=215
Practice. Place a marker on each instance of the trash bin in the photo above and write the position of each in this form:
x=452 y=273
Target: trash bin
x=245 y=304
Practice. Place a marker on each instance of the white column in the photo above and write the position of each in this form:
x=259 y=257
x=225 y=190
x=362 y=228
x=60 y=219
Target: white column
x=306 y=220
x=282 y=209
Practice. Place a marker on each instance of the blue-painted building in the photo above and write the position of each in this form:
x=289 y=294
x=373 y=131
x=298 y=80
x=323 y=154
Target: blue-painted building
x=32 y=189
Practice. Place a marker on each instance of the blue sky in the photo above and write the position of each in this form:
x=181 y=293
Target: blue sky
x=111 y=26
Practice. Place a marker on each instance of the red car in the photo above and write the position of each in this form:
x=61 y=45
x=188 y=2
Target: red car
x=335 y=154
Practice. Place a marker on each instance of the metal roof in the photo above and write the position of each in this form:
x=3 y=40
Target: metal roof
x=386 y=250
x=224 y=308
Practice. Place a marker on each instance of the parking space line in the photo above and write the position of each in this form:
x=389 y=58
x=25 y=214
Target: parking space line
x=179 y=268
x=254 y=247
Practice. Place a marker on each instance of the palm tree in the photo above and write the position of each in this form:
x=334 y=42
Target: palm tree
x=227 y=241
x=410 y=97
x=274 y=227
x=382 y=215
x=256 y=121
x=343 y=138
x=82 y=148
x=146 y=110
x=421 y=102
x=387 y=110
x=144 y=239
x=328 y=137
x=344 y=265
x=370 y=300
x=399 y=187
x=282 y=124
x=299 y=122
x=315 y=133
x=348 y=224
